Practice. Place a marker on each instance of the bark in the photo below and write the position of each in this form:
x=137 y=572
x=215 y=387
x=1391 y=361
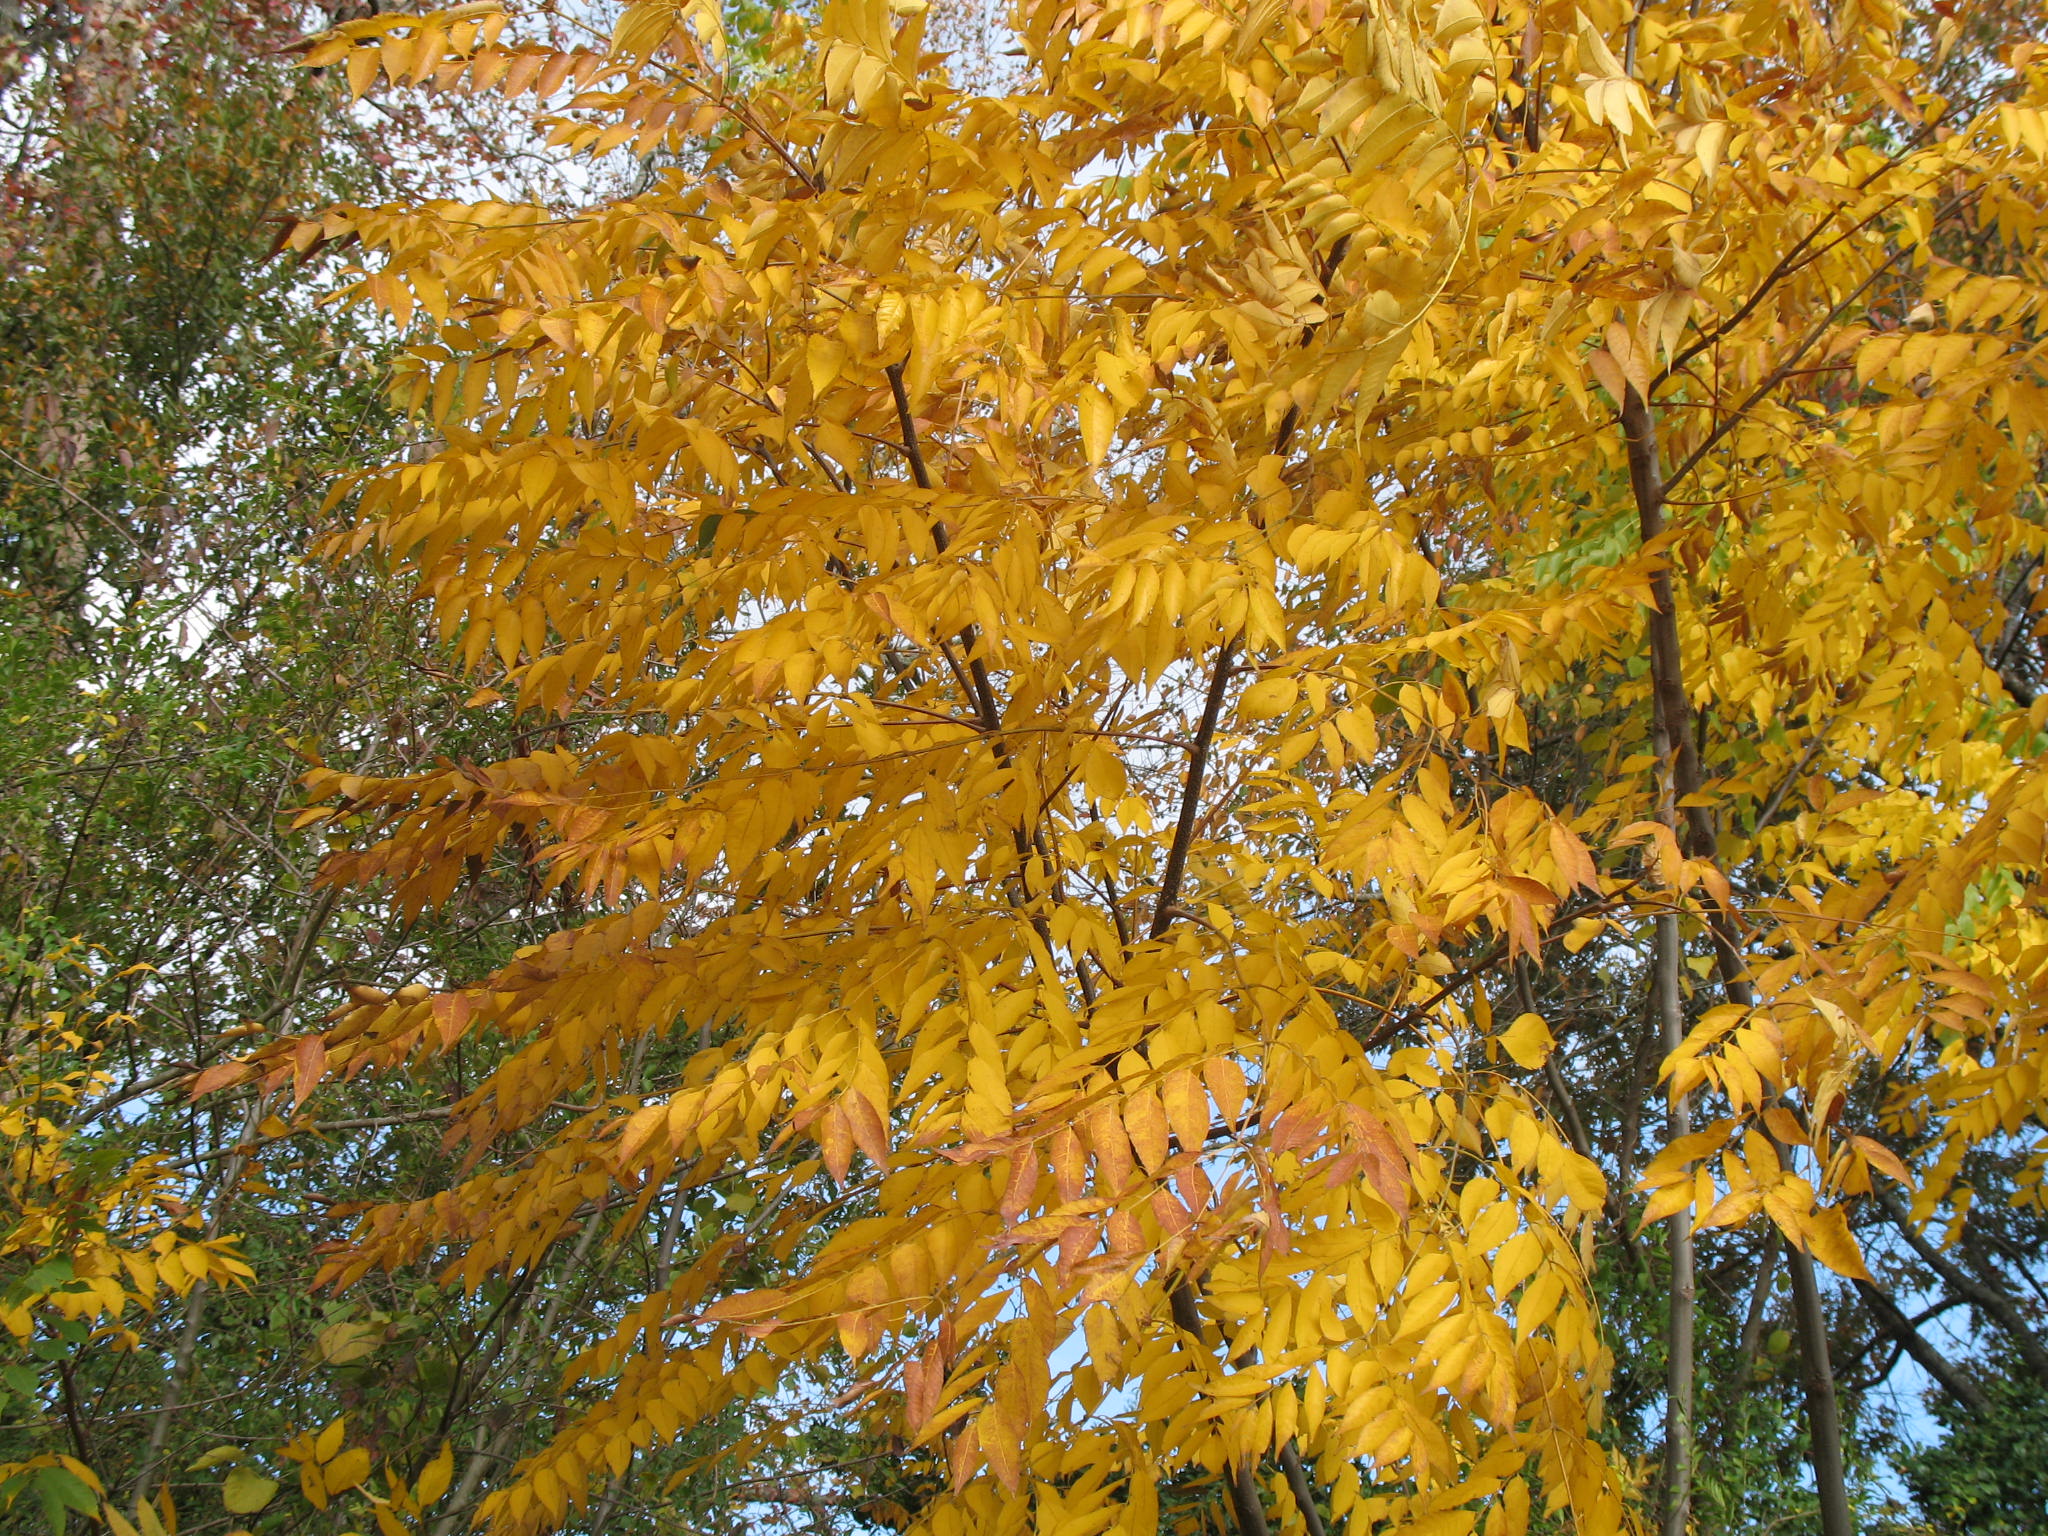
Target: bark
x=1245 y=1508
x=1678 y=1386
x=1167 y=907
x=1674 y=744
x=1759 y=1304
x=1304 y=1493
x=1824 y=1419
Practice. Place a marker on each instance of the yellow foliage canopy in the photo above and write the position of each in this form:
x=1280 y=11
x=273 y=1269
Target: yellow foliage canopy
x=1083 y=635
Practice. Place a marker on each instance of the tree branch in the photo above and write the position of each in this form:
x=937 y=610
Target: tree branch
x=1895 y=1323
x=1166 y=908
x=1987 y=1299
x=1779 y=374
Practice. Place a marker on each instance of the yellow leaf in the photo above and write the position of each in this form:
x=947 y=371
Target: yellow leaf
x=329 y=1441
x=1528 y=1041
x=346 y=1470
x=435 y=1475
x=1268 y=698
x=1098 y=424
x=246 y=1491
x=1668 y=1201
x=1827 y=1237
x=344 y=1343
x=1145 y=1124
x=361 y=70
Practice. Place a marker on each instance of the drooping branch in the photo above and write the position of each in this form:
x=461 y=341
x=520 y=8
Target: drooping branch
x=1931 y=1360
x=1985 y=1298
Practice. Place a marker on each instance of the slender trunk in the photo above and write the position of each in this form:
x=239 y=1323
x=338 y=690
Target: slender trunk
x=1642 y=1073
x=485 y=1451
x=1672 y=741
x=74 y=1416
x=1575 y=1123
x=194 y=1319
x=190 y=1324
x=174 y=1389
x=671 y=1233
x=1185 y=1305
x=1299 y=1485
x=1824 y=1418
x=1242 y=1480
x=1678 y=1386
x=1244 y=1500
x=1183 y=1301
x=1667 y=681
x=1759 y=1303
x=664 y=1270
x=1243 y=1483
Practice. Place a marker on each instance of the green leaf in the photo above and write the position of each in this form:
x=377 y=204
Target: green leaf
x=70 y=1488
x=53 y=1507
x=59 y=1492
x=47 y=1276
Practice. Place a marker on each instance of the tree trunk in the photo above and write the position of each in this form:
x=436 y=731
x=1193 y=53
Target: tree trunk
x=1824 y=1419
x=1696 y=829
x=1678 y=1383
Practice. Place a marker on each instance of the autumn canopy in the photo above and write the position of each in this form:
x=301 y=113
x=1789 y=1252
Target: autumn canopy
x=1115 y=668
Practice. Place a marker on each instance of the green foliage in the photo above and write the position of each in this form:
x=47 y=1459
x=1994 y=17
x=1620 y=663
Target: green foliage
x=1988 y=1475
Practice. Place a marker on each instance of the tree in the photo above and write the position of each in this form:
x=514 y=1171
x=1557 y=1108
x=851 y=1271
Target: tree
x=166 y=652
x=1113 y=658
x=1986 y=1476
x=172 y=403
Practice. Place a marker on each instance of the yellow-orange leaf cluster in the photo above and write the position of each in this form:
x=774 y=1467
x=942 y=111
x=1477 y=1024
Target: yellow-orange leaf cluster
x=1075 y=641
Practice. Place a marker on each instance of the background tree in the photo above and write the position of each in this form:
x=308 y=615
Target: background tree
x=174 y=400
